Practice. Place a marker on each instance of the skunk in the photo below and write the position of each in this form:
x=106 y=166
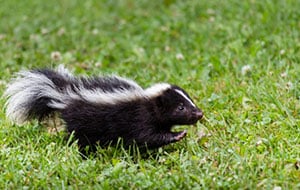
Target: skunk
x=100 y=110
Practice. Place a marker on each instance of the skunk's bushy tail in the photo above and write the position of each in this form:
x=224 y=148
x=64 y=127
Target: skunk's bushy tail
x=36 y=94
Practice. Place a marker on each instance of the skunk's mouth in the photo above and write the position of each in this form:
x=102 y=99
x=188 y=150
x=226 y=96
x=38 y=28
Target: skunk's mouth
x=195 y=117
x=191 y=118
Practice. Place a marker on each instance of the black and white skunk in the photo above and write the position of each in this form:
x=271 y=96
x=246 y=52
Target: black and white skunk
x=99 y=110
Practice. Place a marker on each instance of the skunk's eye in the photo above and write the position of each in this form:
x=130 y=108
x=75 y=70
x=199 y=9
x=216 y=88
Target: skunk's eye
x=180 y=107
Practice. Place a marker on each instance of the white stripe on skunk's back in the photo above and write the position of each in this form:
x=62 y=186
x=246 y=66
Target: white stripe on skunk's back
x=98 y=96
x=156 y=89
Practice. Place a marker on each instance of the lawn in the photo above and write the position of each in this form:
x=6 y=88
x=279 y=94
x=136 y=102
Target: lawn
x=239 y=61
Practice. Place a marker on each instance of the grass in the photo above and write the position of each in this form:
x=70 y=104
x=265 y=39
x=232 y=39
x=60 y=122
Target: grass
x=239 y=60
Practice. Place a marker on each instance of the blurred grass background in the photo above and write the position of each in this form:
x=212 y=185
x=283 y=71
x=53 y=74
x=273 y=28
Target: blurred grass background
x=239 y=60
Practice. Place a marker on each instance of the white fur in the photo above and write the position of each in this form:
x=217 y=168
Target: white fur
x=23 y=89
x=185 y=97
x=156 y=90
x=65 y=72
x=98 y=96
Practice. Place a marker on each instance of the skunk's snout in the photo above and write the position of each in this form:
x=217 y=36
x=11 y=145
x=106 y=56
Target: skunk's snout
x=198 y=114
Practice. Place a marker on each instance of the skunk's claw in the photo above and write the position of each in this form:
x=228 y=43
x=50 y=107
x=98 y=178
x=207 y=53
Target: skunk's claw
x=178 y=136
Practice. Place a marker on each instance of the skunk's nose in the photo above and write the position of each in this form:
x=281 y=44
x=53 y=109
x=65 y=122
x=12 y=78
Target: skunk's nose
x=198 y=114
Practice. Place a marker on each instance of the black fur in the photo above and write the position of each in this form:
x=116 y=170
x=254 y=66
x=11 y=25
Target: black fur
x=147 y=121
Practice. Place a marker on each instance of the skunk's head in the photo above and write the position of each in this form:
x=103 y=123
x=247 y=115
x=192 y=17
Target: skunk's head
x=175 y=107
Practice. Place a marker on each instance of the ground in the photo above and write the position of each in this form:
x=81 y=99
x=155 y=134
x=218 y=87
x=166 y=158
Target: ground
x=239 y=61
